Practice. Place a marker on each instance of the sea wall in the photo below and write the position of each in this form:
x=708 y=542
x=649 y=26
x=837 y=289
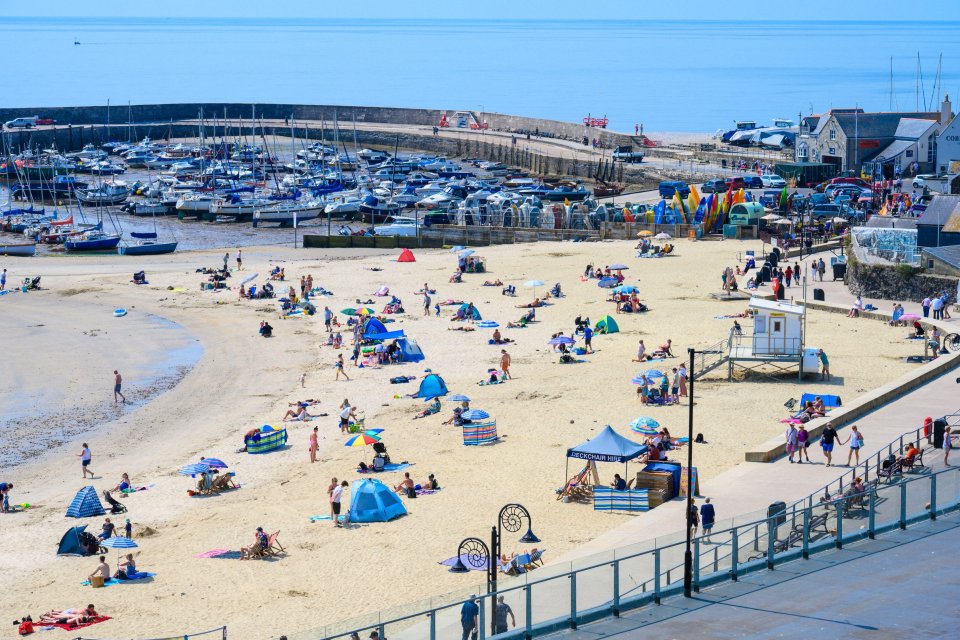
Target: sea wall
x=901 y=282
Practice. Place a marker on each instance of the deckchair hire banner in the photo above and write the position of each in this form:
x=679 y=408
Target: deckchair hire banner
x=607 y=446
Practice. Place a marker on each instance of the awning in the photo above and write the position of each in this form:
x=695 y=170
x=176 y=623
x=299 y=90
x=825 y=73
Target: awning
x=386 y=335
x=607 y=446
x=894 y=149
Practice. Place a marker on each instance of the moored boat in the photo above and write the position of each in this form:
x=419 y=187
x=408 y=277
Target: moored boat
x=22 y=250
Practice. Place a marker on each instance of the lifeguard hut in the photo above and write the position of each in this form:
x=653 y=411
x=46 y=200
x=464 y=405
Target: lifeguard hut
x=776 y=343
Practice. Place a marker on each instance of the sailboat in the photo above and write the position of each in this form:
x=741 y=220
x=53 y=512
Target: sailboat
x=145 y=244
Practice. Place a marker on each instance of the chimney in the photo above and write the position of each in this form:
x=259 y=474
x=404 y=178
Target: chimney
x=946 y=112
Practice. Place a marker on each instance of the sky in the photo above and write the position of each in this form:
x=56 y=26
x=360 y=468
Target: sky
x=499 y=9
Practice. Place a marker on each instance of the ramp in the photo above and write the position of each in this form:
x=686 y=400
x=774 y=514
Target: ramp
x=706 y=360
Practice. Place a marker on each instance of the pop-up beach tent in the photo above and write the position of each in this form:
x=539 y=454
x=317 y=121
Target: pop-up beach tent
x=607 y=325
x=475 y=313
x=86 y=504
x=432 y=386
x=373 y=326
x=409 y=350
x=373 y=501
x=71 y=544
x=406 y=256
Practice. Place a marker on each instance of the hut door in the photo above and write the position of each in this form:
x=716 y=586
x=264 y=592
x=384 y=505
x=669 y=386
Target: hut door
x=778 y=334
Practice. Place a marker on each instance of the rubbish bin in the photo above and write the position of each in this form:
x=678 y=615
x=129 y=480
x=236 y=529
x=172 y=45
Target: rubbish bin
x=765 y=273
x=939 y=427
x=818 y=295
x=778 y=509
x=839 y=270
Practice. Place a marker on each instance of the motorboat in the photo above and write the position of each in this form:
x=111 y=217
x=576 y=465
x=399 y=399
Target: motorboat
x=106 y=194
x=374 y=209
x=400 y=226
x=286 y=212
x=194 y=203
x=93 y=241
x=450 y=197
x=145 y=244
x=140 y=158
x=343 y=205
x=25 y=249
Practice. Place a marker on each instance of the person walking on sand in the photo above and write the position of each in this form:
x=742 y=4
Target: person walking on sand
x=239 y=259
x=226 y=260
x=338 y=365
x=334 y=483
x=856 y=441
x=335 y=498
x=117 y=384
x=313 y=445
x=3 y=280
x=505 y=364
x=327 y=319
x=85 y=458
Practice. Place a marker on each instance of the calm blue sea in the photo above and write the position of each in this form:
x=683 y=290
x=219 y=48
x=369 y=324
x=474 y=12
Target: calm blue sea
x=670 y=75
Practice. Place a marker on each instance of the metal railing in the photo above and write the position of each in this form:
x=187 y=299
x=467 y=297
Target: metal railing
x=614 y=582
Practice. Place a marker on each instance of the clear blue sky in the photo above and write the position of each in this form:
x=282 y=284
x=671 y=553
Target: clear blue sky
x=500 y=9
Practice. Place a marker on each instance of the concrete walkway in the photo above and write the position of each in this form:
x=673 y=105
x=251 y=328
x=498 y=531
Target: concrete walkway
x=901 y=584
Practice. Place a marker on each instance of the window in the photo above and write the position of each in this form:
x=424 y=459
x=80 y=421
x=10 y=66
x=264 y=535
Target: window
x=909 y=153
x=802 y=150
x=833 y=134
x=932 y=148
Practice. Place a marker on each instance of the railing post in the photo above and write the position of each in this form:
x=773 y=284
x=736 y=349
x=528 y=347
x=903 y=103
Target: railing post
x=838 y=507
x=903 y=503
x=771 y=539
x=616 y=588
x=573 y=600
x=696 y=565
x=872 y=518
x=528 y=624
x=481 y=623
x=734 y=553
x=656 y=575
x=933 y=497
x=806 y=534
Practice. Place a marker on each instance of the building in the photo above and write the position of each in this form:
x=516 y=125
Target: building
x=849 y=138
x=942 y=261
x=939 y=226
x=948 y=146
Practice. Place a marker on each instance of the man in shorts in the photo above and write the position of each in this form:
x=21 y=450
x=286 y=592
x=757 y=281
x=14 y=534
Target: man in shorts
x=328 y=319
x=117 y=384
x=792 y=440
x=827 y=439
x=335 y=497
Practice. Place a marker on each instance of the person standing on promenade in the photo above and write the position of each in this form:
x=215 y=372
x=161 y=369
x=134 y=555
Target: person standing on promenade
x=947 y=445
x=505 y=364
x=707 y=517
x=503 y=610
x=85 y=458
x=117 y=385
x=925 y=305
x=792 y=439
x=827 y=439
x=856 y=441
x=803 y=441
x=469 y=613
x=694 y=518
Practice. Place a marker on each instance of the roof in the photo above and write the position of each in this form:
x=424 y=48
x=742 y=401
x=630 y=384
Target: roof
x=607 y=446
x=949 y=255
x=776 y=307
x=940 y=209
x=894 y=149
x=913 y=128
x=889 y=222
x=876 y=125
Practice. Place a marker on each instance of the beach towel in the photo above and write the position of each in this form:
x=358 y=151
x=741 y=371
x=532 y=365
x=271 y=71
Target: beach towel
x=137 y=577
x=484 y=383
x=341 y=518
x=136 y=489
x=67 y=627
x=426 y=492
x=219 y=553
x=392 y=466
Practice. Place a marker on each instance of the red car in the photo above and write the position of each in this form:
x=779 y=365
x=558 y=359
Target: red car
x=860 y=182
x=45 y=121
x=736 y=181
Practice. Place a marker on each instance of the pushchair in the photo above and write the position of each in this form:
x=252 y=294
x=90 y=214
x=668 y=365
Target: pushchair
x=32 y=284
x=556 y=292
x=115 y=507
x=140 y=277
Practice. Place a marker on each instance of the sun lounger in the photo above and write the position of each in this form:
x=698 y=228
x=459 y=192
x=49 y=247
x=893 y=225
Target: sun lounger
x=273 y=545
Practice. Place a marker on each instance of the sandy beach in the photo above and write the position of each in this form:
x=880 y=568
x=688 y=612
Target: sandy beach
x=198 y=377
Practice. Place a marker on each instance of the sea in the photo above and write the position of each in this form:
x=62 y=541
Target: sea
x=668 y=75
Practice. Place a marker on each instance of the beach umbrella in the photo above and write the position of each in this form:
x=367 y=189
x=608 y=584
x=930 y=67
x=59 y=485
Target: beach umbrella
x=475 y=414
x=193 y=469
x=783 y=221
x=647 y=431
x=618 y=267
x=458 y=397
x=362 y=440
x=839 y=220
x=456 y=248
x=249 y=279
x=118 y=542
x=608 y=283
x=350 y=311
x=652 y=374
x=645 y=234
x=214 y=463
x=626 y=288
x=488 y=324
x=644 y=421
x=562 y=340
x=365 y=311
x=466 y=253
x=533 y=284
x=909 y=316
x=638 y=379
x=770 y=216
x=663 y=236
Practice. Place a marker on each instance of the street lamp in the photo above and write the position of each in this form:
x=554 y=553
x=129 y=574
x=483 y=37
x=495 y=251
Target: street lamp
x=478 y=555
x=687 y=555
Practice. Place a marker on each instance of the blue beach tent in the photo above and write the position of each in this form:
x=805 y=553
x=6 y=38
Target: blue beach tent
x=86 y=504
x=410 y=351
x=70 y=543
x=373 y=501
x=475 y=315
x=432 y=386
x=373 y=326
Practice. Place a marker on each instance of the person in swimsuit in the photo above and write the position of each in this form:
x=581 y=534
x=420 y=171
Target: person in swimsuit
x=117 y=384
x=313 y=445
x=338 y=365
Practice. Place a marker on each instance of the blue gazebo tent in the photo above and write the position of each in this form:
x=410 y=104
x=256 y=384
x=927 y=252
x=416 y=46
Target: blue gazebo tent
x=86 y=504
x=606 y=446
x=432 y=386
x=373 y=501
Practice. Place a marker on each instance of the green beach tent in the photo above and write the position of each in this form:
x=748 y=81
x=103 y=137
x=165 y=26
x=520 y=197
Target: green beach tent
x=607 y=325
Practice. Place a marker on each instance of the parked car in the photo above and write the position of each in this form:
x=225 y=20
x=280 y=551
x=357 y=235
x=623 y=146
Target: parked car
x=714 y=186
x=736 y=182
x=21 y=123
x=831 y=211
x=625 y=153
x=920 y=181
x=45 y=121
x=850 y=180
x=773 y=181
x=670 y=187
x=753 y=182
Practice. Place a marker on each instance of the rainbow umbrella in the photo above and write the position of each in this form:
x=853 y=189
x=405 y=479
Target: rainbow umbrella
x=365 y=311
x=362 y=440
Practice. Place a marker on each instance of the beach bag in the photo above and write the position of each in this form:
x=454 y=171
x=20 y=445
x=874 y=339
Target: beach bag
x=859 y=439
x=25 y=628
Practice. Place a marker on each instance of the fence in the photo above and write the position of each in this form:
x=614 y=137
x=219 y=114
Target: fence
x=568 y=595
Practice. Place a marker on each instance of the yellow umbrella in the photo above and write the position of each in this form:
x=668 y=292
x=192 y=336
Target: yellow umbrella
x=645 y=233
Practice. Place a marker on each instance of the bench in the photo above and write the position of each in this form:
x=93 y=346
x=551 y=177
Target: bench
x=917 y=461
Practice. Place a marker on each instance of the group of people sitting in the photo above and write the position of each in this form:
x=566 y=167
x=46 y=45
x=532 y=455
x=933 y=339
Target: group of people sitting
x=812 y=409
x=277 y=273
x=265 y=331
x=471 y=264
x=264 y=292
x=628 y=303
x=409 y=488
x=599 y=273
x=380 y=459
x=216 y=278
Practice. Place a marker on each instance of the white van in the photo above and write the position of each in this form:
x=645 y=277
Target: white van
x=22 y=123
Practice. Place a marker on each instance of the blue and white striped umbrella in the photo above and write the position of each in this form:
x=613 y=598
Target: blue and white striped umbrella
x=194 y=469
x=475 y=414
x=626 y=288
x=459 y=397
x=214 y=463
x=653 y=374
x=118 y=542
x=644 y=421
x=608 y=283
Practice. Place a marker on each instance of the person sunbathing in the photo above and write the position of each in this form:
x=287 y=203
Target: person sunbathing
x=536 y=304
x=124 y=483
x=461 y=328
x=299 y=414
x=819 y=406
x=430 y=484
x=433 y=408
x=498 y=338
x=495 y=283
x=72 y=617
x=260 y=545
x=126 y=569
x=457 y=276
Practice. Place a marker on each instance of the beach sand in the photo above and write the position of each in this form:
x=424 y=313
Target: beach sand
x=242 y=381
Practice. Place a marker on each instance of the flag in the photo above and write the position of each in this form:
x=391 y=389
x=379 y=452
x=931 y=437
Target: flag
x=738 y=197
x=783 y=198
